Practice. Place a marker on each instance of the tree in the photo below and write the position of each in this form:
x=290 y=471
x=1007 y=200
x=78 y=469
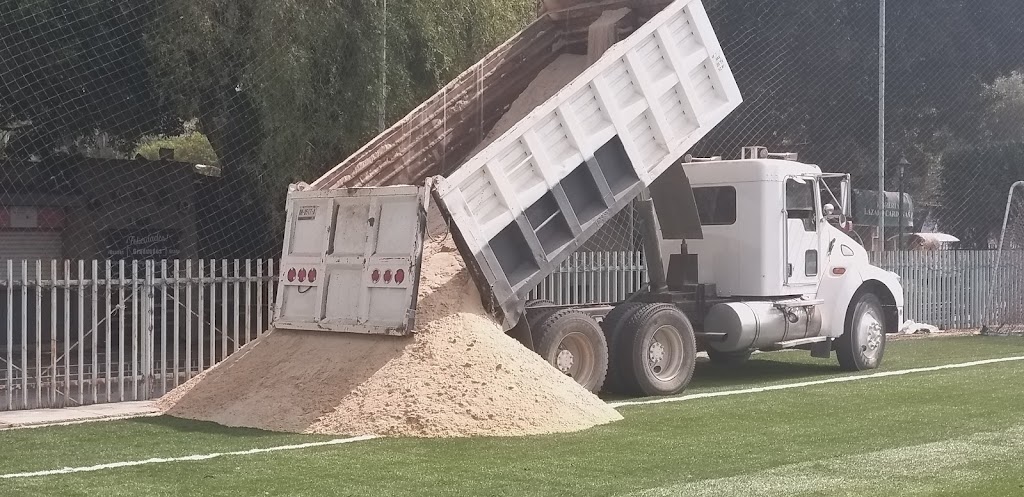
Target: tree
x=808 y=71
x=1004 y=116
x=72 y=69
x=974 y=184
x=287 y=89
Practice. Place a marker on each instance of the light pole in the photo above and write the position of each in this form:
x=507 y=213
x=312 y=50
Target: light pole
x=881 y=124
x=903 y=167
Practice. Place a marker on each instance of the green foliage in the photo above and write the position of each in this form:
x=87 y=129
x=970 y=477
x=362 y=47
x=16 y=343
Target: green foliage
x=285 y=90
x=975 y=181
x=70 y=68
x=191 y=147
x=1004 y=116
x=308 y=72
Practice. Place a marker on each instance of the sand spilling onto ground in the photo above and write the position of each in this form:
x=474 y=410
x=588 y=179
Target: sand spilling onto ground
x=458 y=376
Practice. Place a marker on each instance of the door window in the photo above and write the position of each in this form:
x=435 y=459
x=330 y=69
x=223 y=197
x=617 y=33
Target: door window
x=800 y=203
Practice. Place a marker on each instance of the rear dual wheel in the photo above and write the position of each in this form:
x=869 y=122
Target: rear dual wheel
x=653 y=349
x=572 y=341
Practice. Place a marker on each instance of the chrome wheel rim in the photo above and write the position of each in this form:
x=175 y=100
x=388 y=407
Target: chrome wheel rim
x=871 y=336
x=575 y=358
x=664 y=357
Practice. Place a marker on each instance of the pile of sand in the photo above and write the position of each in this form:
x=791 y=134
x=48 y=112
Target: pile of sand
x=458 y=376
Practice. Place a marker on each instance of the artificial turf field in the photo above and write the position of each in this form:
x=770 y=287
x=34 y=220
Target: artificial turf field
x=948 y=432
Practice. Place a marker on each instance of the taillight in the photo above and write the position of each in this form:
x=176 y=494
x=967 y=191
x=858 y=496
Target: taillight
x=399 y=276
x=311 y=276
x=291 y=275
x=839 y=271
x=375 y=276
x=387 y=276
x=302 y=275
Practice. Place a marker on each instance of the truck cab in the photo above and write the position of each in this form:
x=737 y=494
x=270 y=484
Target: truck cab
x=764 y=227
x=773 y=245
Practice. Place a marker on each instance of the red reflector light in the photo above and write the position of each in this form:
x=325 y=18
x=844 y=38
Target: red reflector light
x=387 y=276
x=375 y=276
x=311 y=276
x=291 y=275
x=839 y=271
x=302 y=275
x=399 y=276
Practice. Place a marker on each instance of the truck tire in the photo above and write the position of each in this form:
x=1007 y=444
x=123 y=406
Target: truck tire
x=728 y=358
x=572 y=342
x=536 y=313
x=658 y=351
x=612 y=328
x=863 y=342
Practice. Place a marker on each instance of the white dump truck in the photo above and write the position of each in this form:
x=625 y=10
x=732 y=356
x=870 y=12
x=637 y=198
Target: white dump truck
x=742 y=254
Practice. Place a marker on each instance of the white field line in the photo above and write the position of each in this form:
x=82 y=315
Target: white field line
x=787 y=386
x=201 y=457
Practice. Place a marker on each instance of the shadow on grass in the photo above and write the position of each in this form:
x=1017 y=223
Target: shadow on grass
x=208 y=428
x=756 y=371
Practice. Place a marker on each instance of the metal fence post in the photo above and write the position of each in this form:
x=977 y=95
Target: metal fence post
x=147 y=331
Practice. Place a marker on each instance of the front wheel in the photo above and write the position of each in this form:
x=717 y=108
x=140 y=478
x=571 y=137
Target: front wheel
x=863 y=342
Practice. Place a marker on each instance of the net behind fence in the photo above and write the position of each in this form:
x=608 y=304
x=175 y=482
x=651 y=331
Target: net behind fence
x=1005 y=309
x=170 y=130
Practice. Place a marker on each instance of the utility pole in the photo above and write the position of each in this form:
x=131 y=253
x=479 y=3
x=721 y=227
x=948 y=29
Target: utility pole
x=382 y=112
x=881 y=124
x=903 y=168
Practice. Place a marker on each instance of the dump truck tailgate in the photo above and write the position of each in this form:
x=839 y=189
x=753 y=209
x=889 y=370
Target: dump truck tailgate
x=527 y=201
x=351 y=260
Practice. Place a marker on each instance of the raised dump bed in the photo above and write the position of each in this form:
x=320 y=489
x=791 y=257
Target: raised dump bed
x=532 y=197
x=523 y=199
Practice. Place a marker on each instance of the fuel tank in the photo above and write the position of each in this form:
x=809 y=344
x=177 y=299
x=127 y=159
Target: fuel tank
x=755 y=325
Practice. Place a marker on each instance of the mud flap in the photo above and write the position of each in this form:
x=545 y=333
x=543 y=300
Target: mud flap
x=522 y=332
x=822 y=350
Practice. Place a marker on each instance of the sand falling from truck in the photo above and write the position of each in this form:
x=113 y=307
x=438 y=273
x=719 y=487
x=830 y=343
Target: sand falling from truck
x=458 y=375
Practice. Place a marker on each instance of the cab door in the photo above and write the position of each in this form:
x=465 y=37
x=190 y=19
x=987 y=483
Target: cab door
x=803 y=254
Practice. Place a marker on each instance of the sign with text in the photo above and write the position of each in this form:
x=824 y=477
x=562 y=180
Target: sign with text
x=142 y=244
x=865 y=208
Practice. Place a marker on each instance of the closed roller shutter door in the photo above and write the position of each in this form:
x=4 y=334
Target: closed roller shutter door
x=31 y=246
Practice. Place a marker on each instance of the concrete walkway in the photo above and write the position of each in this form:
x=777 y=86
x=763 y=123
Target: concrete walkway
x=73 y=415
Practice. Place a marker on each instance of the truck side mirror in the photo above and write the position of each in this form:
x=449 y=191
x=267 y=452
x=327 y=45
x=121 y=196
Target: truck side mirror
x=831 y=214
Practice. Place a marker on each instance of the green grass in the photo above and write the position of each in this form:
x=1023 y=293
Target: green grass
x=953 y=432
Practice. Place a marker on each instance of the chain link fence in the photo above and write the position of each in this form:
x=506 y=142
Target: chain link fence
x=170 y=130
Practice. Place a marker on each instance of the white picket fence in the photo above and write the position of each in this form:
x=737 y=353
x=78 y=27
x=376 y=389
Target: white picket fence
x=82 y=332
x=79 y=333
x=960 y=289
